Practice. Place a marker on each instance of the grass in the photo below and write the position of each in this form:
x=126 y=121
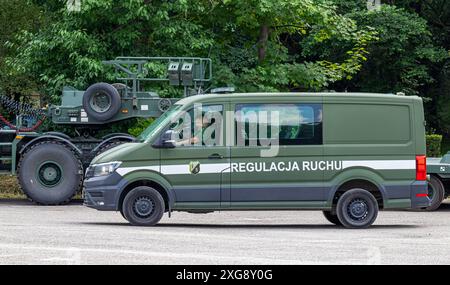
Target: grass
x=9 y=188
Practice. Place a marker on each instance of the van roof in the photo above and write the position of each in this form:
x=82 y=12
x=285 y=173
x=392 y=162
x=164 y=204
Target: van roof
x=230 y=96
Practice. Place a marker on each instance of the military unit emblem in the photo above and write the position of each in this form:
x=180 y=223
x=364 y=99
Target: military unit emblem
x=194 y=167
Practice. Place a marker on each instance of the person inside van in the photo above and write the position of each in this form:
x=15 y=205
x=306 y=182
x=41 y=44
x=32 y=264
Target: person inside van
x=197 y=131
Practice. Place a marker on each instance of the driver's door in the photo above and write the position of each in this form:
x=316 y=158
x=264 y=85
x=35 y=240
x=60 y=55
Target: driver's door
x=199 y=172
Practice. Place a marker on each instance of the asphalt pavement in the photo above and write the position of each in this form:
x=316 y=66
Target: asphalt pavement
x=75 y=234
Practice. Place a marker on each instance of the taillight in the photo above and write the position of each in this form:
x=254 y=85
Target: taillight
x=421 y=168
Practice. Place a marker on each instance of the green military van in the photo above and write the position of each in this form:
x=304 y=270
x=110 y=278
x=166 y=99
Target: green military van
x=346 y=154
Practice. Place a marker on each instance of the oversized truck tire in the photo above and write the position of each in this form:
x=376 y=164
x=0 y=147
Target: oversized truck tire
x=101 y=101
x=436 y=192
x=50 y=173
x=357 y=209
x=109 y=146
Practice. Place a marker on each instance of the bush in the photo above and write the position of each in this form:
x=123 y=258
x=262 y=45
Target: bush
x=434 y=145
x=140 y=126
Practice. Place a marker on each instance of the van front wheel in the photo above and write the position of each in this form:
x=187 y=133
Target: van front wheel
x=143 y=206
x=357 y=209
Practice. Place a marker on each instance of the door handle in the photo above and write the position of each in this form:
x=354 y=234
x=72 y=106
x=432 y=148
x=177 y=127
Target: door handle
x=215 y=156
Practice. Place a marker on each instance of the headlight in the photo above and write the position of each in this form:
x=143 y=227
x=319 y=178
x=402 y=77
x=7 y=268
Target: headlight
x=102 y=169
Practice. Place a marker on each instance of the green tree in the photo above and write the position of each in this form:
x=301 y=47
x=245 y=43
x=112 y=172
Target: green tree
x=268 y=37
x=16 y=16
x=437 y=15
x=411 y=56
x=264 y=44
x=401 y=60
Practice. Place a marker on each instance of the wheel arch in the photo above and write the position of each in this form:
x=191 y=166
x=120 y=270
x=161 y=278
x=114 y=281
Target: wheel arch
x=50 y=137
x=151 y=179
x=357 y=178
x=114 y=137
x=121 y=135
x=58 y=134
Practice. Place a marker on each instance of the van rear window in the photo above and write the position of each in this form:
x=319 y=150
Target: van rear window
x=367 y=124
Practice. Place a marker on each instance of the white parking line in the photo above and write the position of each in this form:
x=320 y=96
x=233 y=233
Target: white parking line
x=188 y=256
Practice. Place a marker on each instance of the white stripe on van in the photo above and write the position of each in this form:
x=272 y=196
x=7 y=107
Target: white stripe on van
x=183 y=169
x=125 y=170
x=204 y=168
x=178 y=169
x=381 y=164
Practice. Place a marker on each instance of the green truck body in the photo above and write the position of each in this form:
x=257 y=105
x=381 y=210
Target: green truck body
x=438 y=170
x=344 y=146
x=50 y=166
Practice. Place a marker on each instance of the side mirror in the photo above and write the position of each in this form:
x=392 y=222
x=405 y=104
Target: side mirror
x=166 y=140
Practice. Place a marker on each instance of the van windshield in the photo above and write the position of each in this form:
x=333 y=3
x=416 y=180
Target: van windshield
x=158 y=123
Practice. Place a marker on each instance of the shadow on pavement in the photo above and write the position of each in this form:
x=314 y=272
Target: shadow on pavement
x=445 y=207
x=27 y=203
x=250 y=226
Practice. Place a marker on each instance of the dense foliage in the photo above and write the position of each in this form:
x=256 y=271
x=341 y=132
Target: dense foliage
x=15 y=16
x=411 y=55
x=256 y=45
x=434 y=145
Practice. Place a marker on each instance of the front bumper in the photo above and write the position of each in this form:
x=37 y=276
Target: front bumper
x=103 y=193
x=419 y=195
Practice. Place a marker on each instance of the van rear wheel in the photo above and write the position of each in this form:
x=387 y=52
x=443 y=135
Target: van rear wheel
x=143 y=206
x=357 y=209
x=332 y=218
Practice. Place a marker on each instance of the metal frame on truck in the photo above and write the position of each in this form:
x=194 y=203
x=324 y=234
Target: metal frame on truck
x=50 y=166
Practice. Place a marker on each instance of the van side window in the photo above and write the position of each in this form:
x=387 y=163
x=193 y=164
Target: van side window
x=293 y=124
x=200 y=126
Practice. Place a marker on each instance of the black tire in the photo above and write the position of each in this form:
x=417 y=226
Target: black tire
x=108 y=146
x=50 y=173
x=123 y=215
x=357 y=209
x=332 y=218
x=150 y=210
x=436 y=192
x=110 y=99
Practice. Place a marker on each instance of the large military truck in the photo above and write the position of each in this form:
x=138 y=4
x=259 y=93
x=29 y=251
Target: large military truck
x=438 y=170
x=50 y=166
